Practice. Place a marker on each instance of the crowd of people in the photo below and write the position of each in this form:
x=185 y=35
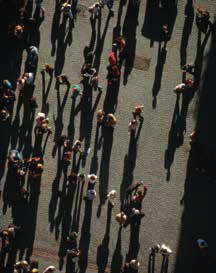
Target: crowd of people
x=29 y=170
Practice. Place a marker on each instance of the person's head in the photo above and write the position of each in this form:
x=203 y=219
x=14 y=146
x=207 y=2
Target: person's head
x=39 y=167
x=81 y=177
x=72 y=177
x=18 y=32
x=33 y=51
x=92 y=178
x=33 y=264
x=133 y=122
x=189 y=82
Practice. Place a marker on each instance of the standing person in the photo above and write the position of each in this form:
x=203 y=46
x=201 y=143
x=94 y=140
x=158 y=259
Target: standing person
x=109 y=4
x=67 y=10
x=132 y=126
x=32 y=59
x=91 y=193
x=121 y=218
x=137 y=113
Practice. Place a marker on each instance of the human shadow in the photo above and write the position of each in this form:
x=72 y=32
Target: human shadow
x=20 y=131
x=201 y=45
x=85 y=236
x=151 y=264
x=164 y=265
x=111 y=98
x=87 y=111
x=117 y=28
x=156 y=16
x=5 y=141
x=94 y=159
x=129 y=33
x=10 y=188
x=134 y=244
x=64 y=38
x=187 y=28
x=58 y=121
x=45 y=94
x=28 y=220
x=55 y=26
x=100 y=41
x=173 y=139
x=105 y=163
x=77 y=208
x=103 y=248
x=55 y=189
x=206 y=110
x=199 y=201
x=64 y=203
x=71 y=191
x=129 y=164
x=161 y=59
x=117 y=259
x=71 y=126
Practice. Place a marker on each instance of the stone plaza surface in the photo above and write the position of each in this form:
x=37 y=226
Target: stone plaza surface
x=102 y=240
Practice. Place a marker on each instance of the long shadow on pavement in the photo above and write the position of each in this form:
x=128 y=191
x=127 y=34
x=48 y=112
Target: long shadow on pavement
x=199 y=202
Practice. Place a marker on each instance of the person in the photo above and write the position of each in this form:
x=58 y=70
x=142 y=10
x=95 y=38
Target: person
x=132 y=125
x=164 y=34
x=95 y=10
x=136 y=216
x=100 y=116
x=81 y=177
x=67 y=10
x=121 y=218
x=18 y=31
x=62 y=79
x=155 y=249
x=91 y=193
x=28 y=78
x=139 y=196
x=95 y=82
x=88 y=71
x=134 y=264
x=119 y=43
x=110 y=120
x=111 y=197
x=180 y=88
x=137 y=112
x=67 y=153
x=6 y=85
x=203 y=246
x=188 y=68
x=32 y=59
x=75 y=91
x=4 y=115
x=112 y=58
x=109 y=4
x=48 y=69
x=21 y=266
x=42 y=124
x=202 y=19
x=77 y=146
x=36 y=171
x=165 y=250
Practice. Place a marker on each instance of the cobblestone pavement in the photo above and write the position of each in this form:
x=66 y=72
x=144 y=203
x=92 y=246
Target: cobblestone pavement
x=162 y=223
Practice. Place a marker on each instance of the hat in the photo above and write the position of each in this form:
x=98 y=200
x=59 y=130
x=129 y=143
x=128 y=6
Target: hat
x=92 y=177
x=202 y=243
x=34 y=270
x=50 y=269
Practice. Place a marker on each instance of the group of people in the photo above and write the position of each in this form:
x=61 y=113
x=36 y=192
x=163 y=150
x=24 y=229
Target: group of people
x=132 y=212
